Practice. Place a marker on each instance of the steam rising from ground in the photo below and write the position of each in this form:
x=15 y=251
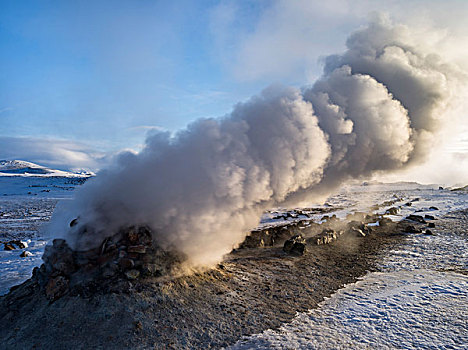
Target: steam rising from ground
x=377 y=107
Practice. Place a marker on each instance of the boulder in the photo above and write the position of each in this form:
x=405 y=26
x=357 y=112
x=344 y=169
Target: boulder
x=392 y=211
x=126 y=264
x=428 y=232
x=325 y=237
x=384 y=222
x=25 y=254
x=58 y=258
x=429 y=217
x=431 y=225
x=358 y=232
x=56 y=287
x=296 y=245
x=140 y=249
x=433 y=208
x=132 y=274
x=412 y=229
x=8 y=246
x=416 y=218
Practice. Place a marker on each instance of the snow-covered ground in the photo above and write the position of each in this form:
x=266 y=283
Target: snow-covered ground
x=418 y=299
x=26 y=169
x=27 y=201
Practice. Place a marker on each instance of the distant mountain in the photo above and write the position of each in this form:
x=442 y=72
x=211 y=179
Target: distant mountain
x=23 y=168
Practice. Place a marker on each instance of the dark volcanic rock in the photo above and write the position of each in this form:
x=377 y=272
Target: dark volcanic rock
x=130 y=254
x=295 y=245
x=8 y=246
x=429 y=217
x=412 y=229
x=385 y=222
x=392 y=211
x=417 y=218
x=358 y=229
x=58 y=258
x=325 y=237
x=56 y=287
x=431 y=225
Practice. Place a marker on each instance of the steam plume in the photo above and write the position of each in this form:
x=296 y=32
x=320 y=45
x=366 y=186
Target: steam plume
x=377 y=107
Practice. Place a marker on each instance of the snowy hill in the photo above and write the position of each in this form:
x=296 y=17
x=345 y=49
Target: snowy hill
x=23 y=168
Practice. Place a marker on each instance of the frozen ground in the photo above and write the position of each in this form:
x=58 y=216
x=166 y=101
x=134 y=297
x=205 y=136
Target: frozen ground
x=418 y=300
x=27 y=202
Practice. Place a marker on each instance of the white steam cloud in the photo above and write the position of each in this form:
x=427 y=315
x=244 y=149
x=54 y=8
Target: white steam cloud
x=377 y=108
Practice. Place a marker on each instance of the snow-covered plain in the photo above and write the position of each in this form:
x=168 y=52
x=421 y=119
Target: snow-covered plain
x=418 y=299
x=27 y=200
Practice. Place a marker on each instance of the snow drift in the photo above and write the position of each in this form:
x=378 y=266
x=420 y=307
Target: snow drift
x=377 y=107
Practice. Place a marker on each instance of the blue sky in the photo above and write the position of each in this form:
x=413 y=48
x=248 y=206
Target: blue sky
x=80 y=80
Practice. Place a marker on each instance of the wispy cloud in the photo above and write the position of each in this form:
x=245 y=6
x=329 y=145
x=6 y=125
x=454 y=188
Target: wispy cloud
x=146 y=128
x=57 y=153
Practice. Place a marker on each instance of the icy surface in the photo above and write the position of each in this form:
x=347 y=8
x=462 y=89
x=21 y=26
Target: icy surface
x=419 y=299
x=26 y=203
x=402 y=309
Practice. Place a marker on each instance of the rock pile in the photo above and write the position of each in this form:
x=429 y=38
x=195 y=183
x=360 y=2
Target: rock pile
x=326 y=236
x=296 y=245
x=126 y=256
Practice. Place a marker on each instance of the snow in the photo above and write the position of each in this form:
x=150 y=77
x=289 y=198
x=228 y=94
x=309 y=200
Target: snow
x=26 y=203
x=28 y=169
x=403 y=309
x=417 y=300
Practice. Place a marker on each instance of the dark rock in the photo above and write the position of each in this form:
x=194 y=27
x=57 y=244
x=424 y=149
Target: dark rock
x=8 y=246
x=132 y=235
x=19 y=244
x=126 y=264
x=384 y=222
x=110 y=270
x=431 y=225
x=441 y=188
x=358 y=232
x=132 y=274
x=59 y=257
x=433 y=208
x=151 y=270
x=140 y=249
x=392 y=211
x=409 y=204
x=296 y=245
x=325 y=237
x=412 y=229
x=25 y=254
x=429 y=217
x=56 y=287
x=428 y=232
x=417 y=218
x=358 y=228
x=74 y=222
